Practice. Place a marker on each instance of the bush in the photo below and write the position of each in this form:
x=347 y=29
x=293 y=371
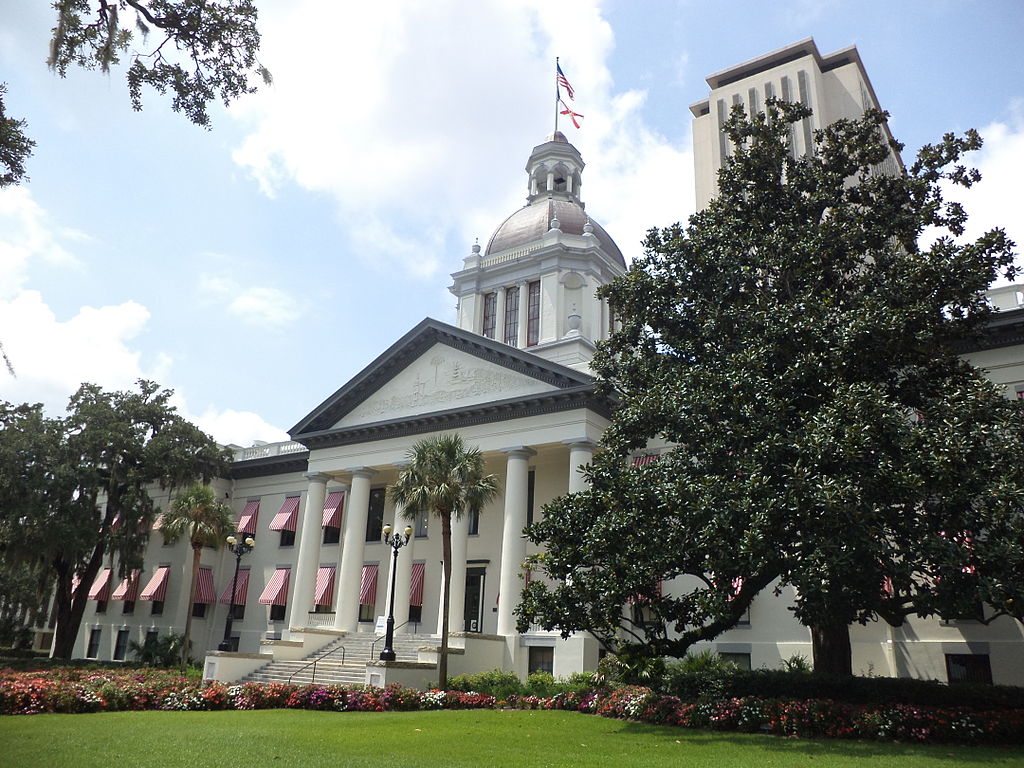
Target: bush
x=499 y=684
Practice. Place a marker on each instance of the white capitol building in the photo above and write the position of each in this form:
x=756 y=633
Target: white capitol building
x=512 y=378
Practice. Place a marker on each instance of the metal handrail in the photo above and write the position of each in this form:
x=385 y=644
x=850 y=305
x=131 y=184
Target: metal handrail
x=314 y=661
x=378 y=638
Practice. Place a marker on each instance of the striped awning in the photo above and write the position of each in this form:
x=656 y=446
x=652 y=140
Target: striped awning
x=205 y=593
x=247 y=520
x=333 y=505
x=276 y=591
x=287 y=516
x=128 y=589
x=368 y=586
x=650 y=458
x=241 y=591
x=100 y=589
x=156 y=589
x=324 y=592
x=158 y=522
x=416 y=583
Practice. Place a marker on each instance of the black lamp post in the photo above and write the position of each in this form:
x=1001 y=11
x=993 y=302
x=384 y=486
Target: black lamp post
x=396 y=541
x=239 y=548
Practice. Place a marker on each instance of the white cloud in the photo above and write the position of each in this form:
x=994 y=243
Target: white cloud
x=27 y=234
x=256 y=305
x=435 y=107
x=237 y=427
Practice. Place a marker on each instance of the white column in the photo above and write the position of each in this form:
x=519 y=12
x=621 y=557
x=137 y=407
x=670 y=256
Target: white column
x=499 y=314
x=581 y=453
x=457 y=604
x=308 y=560
x=350 y=565
x=402 y=573
x=513 y=545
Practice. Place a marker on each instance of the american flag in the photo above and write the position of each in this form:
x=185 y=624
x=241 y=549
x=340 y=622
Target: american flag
x=561 y=80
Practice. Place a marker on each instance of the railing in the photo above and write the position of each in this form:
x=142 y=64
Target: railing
x=321 y=657
x=378 y=638
x=268 y=449
x=320 y=620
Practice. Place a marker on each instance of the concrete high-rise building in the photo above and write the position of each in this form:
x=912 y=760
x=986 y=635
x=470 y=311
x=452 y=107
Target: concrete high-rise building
x=835 y=86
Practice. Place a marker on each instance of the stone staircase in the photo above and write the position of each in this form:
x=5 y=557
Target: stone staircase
x=331 y=669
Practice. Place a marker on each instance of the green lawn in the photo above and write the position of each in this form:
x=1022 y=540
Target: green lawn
x=478 y=738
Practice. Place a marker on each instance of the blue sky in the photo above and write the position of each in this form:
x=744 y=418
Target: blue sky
x=256 y=267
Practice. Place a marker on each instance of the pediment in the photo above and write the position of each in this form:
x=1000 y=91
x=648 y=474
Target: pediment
x=436 y=372
x=441 y=378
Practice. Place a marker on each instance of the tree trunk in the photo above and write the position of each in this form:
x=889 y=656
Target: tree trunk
x=831 y=649
x=197 y=553
x=446 y=596
x=70 y=609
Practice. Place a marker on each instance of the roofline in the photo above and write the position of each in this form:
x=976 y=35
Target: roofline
x=429 y=332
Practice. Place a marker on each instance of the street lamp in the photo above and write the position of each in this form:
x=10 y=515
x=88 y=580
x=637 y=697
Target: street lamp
x=239 y=548
x=396 y=541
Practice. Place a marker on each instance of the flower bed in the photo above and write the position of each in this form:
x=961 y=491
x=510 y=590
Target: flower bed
x=74 y=690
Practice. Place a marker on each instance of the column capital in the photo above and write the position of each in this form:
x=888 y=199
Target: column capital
x=580 y=442
x=366 y=472
x=519 y=451
x=316 y=477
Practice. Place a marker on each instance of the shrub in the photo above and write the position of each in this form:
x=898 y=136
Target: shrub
x=499 y=684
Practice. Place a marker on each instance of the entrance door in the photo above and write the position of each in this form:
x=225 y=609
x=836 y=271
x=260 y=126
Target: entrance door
x=474 y=609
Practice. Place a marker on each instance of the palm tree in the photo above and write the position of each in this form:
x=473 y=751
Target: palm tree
x=207 y=522
x=445 y=479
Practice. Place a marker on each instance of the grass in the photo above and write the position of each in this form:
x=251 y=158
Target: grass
x=523 y=739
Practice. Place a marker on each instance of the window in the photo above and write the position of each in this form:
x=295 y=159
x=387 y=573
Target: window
x=375 y=516
x=101 y=606
x=94 y=643
x=237 y=611
x=533 y=314
x=152 y=635
x=277 y=612
x=511 y=336
x=287 y=538
x=332 y=534
x=198 y=610
x=490 y=314
x=128 y=607
x=474 y=522
x=741 y=660
x=233 y=643
x=968 y=668
x=157 y=609
x=531 y=484
x=415 y=614
x=285 y=521
x=542 y=659
x=421 y=523
x=121 y=644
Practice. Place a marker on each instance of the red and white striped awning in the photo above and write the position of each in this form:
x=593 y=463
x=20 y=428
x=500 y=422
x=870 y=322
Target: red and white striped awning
x=100 y=589
x=247 y=520
x=416 y=583
x=368 y=586
x=241 y=591
x=156 y=589
x=333 y=505
x=324 y=592
x=650 y=458
x=205 y=592
x=128 y=589
x=287 y=516
x=276 y=591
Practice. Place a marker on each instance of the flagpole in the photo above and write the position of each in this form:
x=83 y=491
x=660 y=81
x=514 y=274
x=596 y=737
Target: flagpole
x=558 y=95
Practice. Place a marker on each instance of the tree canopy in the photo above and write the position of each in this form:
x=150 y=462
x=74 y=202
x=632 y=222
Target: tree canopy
x=201 y=51
x=798 y=352
x=77 y=489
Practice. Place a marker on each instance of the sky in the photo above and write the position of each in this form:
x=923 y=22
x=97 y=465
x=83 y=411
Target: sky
x=256 y=267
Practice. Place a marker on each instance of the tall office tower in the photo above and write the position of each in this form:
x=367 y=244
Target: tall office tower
x=833 y=86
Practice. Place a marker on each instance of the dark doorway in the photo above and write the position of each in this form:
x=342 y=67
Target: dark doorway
x=474 y=610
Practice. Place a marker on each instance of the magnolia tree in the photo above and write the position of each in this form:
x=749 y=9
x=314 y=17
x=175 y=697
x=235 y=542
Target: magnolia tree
x=797 y=347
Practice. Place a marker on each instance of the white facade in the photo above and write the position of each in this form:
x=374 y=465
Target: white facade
x=512 y=380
